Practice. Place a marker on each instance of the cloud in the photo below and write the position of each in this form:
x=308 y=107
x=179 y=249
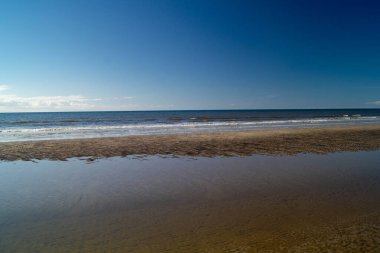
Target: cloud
x=121 y=98
x=374 y=103
x=38 y=103
x=15 y=103
x=4 y=87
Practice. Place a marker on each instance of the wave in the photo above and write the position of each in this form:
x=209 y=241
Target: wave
x=55 y=121
x=195 y=125
x=27 y=122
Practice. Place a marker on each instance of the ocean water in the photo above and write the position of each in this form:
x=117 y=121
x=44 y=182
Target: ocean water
x=69 y=125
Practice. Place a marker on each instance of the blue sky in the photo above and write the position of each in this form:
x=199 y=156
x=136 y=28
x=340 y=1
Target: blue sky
x=154 y=55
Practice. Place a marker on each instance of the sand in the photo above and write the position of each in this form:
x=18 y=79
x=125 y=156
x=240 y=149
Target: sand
x=318 y=140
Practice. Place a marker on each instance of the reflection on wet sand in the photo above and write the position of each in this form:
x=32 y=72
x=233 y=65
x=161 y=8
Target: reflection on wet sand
x=305 y=203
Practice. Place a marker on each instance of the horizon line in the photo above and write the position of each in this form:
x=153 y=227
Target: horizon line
x=167 y=110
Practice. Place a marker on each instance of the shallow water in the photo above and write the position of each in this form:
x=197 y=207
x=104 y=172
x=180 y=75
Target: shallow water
x=304 y=203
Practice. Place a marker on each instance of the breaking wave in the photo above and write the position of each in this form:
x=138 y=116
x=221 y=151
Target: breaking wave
x=91 y=131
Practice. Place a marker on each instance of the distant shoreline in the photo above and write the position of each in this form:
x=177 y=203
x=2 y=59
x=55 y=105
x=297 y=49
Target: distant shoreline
x=277 y=141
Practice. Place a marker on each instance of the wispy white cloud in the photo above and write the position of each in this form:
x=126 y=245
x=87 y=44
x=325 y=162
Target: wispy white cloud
x=15 y=103
x=3 y=87
x=374 y=103
x=121 y=98
x=38 y=103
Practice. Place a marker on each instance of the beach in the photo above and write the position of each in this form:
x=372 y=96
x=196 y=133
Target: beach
x=304 y=189
x=189 y=126
x=277 y=141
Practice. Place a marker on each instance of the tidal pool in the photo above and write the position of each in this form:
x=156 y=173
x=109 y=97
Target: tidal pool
x=303 y=203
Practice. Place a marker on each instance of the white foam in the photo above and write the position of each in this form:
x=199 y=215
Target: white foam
x=189 y=125
x=13 y=134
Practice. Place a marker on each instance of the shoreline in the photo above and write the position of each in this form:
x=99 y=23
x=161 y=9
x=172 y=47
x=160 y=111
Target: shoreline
x=279 y=141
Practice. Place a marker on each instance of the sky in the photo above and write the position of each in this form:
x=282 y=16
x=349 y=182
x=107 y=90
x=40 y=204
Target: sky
x=78 y=55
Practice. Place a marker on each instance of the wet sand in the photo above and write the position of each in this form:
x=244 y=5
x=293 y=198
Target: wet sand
x=302 y=203
x=270 y=141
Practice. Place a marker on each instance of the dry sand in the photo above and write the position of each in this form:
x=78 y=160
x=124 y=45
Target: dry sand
x=269 y=141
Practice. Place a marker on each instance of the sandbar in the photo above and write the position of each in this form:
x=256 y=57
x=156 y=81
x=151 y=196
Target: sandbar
x=281 y=141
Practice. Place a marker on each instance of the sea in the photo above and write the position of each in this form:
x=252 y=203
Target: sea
x=76 y=125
